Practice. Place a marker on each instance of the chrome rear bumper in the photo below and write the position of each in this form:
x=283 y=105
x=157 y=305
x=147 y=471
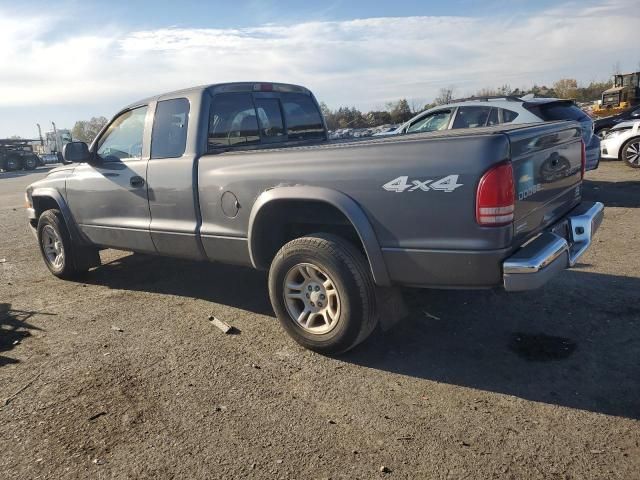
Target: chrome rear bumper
x=539 y=260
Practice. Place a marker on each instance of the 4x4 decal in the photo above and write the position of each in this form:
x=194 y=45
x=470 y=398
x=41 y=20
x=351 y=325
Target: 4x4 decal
x=401 y=184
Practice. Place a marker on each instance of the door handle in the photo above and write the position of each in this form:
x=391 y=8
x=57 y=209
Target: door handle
x=136 y=181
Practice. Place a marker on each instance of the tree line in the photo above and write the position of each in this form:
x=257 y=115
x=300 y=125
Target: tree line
x=400 y=111
x=87 y=130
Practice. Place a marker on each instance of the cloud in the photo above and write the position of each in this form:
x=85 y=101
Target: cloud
x=362 y=62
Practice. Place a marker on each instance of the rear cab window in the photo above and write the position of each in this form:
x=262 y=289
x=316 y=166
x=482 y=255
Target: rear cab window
x=302 y=116
x=270 y=119
x=245 y=119
x=233 y=121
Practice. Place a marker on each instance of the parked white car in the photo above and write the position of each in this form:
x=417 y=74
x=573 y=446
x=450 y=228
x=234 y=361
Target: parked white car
x=488 y=111
x=385 y=130
x=623 y=143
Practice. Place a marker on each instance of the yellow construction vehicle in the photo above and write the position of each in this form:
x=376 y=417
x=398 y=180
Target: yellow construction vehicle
x=624 y=93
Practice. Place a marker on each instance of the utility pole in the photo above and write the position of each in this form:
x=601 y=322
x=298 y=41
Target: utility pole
x=40 y=135
x=55 y=135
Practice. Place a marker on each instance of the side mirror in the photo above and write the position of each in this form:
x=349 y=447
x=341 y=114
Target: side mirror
x=76 y=152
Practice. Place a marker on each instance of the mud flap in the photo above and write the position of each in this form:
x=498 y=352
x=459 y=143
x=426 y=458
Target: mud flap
x=391 y=307
x=86 y=257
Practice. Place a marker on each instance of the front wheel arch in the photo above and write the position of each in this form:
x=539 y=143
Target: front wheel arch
x=50 y=198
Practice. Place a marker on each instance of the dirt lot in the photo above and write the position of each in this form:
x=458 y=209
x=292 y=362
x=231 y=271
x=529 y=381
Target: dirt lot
x=124 y=377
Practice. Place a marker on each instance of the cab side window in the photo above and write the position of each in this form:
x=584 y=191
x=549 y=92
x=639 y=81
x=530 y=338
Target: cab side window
x=233 y=121
x=123 y=138
x=169 y=137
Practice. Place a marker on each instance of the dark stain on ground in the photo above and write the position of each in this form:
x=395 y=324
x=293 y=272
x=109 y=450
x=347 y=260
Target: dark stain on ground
x=541 y=347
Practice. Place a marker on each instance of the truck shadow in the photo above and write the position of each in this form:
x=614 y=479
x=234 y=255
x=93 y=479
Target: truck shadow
x=240 y=287
x=13 y=329
x=613 y=194
x=575 y=343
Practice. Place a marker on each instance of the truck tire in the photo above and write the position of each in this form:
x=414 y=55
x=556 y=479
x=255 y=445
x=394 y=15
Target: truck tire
x=13 y=163
x=630 y=152
x=30 y=162
x=60 y=256
x=323 y=293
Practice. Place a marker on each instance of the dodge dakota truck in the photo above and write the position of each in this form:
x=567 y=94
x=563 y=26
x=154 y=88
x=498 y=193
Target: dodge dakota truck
x=243 y=173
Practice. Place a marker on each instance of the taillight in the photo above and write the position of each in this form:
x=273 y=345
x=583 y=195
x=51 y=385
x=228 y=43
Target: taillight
x=584 y=158
x=495 y=198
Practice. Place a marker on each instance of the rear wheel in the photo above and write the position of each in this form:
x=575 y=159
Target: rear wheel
x=30 y=162
x=323 y=293
x=630 y=152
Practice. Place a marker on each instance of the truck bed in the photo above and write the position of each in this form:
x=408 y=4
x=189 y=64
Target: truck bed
x=438 y=226
x=391 y=139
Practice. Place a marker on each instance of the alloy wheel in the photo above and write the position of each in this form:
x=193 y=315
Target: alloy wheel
x=52 y=246
x=311 y=298
x=632 y=154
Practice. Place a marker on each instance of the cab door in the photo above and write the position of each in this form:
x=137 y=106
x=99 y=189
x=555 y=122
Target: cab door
x=108 y=197
x=172 y=178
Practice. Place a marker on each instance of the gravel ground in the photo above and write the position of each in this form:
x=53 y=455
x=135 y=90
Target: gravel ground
x=123 y=376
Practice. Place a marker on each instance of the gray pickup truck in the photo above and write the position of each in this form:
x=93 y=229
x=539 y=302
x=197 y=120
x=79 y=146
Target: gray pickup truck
x=243 y=173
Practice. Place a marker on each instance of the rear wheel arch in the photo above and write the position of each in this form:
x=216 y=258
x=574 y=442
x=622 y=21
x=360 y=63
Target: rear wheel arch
x=281 y=214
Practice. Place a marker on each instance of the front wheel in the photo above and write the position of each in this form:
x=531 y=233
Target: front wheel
x=323 y=293
x=13 y=163
x=630 y=152
x=60 y=256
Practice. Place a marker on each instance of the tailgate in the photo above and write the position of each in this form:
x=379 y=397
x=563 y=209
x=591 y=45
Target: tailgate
x=547 y=165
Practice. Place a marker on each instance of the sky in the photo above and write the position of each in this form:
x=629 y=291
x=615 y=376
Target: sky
x=70 y=60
